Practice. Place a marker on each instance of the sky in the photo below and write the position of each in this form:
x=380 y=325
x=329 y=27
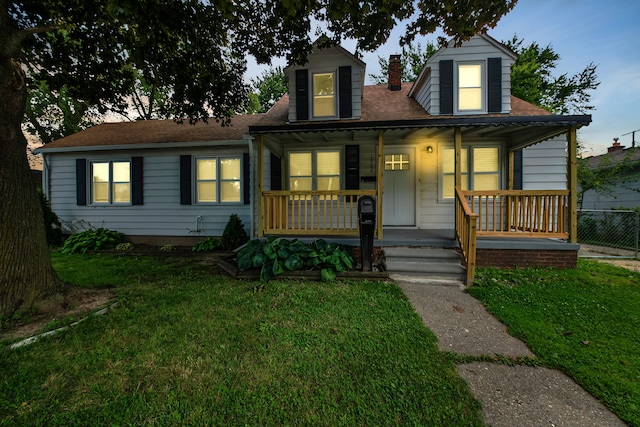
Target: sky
x=606 y=33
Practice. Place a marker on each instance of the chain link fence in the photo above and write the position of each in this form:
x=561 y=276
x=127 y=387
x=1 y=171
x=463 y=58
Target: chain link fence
x=608 y=233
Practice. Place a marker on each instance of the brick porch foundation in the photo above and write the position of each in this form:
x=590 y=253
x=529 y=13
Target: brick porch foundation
x=512 y=258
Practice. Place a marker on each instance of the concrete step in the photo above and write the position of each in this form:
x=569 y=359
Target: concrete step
x=432 y=263
x=422 y=253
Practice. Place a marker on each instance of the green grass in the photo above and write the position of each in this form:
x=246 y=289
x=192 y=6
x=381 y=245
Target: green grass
x=187 y=346
x=585 y=322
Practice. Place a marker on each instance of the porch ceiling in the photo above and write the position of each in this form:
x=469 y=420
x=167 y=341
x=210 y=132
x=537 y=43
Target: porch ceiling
x=516 y=135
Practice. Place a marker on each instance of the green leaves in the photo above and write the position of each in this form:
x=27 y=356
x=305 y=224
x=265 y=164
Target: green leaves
x=91 y=240
x=276 y=255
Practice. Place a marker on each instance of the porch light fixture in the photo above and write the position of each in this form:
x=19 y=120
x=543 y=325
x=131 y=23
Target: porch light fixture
x=429 y=149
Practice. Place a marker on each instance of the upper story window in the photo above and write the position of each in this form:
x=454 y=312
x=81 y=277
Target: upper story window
x=218 y=180
x=470 y=87
x=324 y=99
x=111 y=182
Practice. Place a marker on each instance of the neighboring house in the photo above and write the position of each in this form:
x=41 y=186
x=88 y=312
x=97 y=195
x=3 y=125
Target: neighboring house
x=331 y=140
x=626 y=193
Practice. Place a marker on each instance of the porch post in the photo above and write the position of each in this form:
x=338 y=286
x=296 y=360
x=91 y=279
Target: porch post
x=457 y=142
x=572 y=183
x=379 y=181
x=457 y=145
x=511 y=170
x=260 y=184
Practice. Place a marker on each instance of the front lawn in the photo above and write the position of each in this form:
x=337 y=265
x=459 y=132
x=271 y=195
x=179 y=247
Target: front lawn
x=187 y=346
x=585 y=322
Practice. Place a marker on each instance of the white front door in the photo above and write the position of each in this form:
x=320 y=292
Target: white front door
x=398 y=198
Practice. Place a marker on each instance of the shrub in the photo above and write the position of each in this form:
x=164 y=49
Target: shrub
x=234 y=234
x=276 y=255
x=91 y=240
x=52 y=223
x=208 y=244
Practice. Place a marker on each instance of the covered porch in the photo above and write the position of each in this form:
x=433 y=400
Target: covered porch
x=484 y=220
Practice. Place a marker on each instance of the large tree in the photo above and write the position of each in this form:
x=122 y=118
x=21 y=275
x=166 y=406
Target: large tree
x=194 y=47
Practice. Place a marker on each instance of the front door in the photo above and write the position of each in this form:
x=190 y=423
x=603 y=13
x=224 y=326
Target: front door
x=399 y=187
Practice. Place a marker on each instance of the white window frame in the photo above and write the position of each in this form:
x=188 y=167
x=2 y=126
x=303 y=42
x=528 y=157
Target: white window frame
x=471 y=173
x=314 y=167
x=218 y=180
x=110 y=183
x=312 y=98
x=483 y=87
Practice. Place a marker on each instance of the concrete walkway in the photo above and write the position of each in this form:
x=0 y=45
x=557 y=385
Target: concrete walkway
x=520 y=396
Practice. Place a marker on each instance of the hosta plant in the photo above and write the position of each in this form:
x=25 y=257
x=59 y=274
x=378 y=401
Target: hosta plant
x=276 y=255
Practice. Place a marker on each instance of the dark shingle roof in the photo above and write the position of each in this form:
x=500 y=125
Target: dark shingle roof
x=156 y=131
x=379 y=105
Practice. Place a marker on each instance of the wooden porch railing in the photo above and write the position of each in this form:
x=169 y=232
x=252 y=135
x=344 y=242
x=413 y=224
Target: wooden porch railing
x=312 y=212
x=466 y=224
x=520 y=213
x=508 y=213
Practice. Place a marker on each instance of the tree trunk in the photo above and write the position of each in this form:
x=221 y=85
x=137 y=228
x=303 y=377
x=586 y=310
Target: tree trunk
x=26 y=274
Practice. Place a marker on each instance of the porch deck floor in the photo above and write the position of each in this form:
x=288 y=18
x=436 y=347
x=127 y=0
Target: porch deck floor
x=444 y=238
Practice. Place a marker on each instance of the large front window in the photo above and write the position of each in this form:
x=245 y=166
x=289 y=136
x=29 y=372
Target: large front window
x=314 y=170
x=480 y=169
x=218 y=180
x=469 y=87
x=111 y=182
x=324 y=104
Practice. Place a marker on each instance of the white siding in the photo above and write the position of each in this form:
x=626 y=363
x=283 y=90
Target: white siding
x=329 y=60
x=544 y=165
x=161 y=214
x=625 y=195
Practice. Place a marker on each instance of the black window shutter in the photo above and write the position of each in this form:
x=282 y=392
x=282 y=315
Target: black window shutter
x=246 y=170
x=446 y=87
x=81 y=182
x=352 y=168
x=517 y=170
x=344 y=92
x=302 y=95
x=137 y=172
x=185 y=179
x=494 y=86
x=276 y=173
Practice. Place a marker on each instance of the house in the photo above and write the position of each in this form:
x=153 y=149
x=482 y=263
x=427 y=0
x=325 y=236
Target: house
x=454 y=153
x=626 y=193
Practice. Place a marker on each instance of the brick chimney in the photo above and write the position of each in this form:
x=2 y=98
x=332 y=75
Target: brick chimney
x=395 y=73
x=615 y=147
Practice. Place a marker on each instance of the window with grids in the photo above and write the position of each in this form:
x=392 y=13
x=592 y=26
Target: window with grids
x=469 y=87
x=314 y=170
x=324 y=100
x=396 y=162
x=218 y=180
x=480 y=169
x=111 y=182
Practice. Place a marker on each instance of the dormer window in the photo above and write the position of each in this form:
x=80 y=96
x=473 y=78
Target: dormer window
x=470 y=88
x=324 y=100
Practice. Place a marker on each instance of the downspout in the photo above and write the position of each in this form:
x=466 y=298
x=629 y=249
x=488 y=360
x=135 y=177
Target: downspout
x=252 y=176
x=46 y=188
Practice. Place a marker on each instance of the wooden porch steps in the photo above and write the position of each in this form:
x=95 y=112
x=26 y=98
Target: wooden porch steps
x=434 y=264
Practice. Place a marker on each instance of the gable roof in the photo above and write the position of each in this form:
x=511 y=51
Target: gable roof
x=151 y=132
x=338 y=48
x=485 y=37
x=612 y=158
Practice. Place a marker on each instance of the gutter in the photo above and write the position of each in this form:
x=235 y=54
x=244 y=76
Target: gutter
x=550 y=120
x=146 y=146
